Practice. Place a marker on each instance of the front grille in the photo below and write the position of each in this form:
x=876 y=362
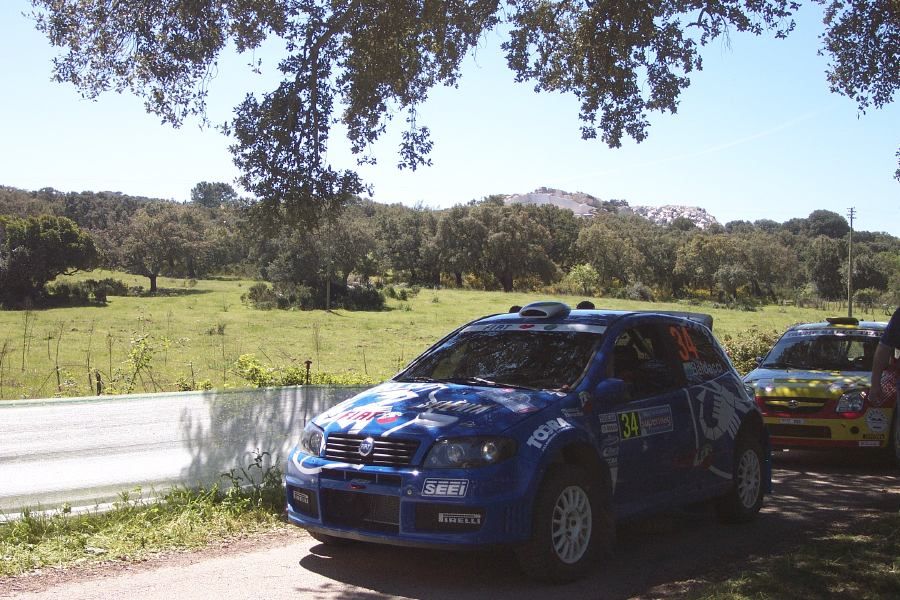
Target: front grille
x=799 y=431
x=370 y=512
x=794 y=406
x=391 y=452
x=385 y=479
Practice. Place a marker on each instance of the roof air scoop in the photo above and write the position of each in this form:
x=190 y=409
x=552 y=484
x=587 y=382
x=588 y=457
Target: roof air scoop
x=544 y=310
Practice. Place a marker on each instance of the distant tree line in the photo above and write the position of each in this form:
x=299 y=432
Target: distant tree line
x=482 y=245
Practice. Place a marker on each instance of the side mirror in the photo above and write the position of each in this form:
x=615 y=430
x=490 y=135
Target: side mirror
x=612 y=391
x=758 y=360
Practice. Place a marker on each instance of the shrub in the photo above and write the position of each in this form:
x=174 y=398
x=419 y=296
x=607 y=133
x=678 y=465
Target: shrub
x=747 y=345
x=639 y=291
x=364 y=298
x=260 y=296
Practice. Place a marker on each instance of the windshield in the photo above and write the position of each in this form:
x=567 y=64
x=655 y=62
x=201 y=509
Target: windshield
x=530 y=359
x=827 y=351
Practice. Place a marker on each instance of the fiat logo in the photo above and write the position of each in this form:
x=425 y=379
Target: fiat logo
x=366 y=446
x=793 y=403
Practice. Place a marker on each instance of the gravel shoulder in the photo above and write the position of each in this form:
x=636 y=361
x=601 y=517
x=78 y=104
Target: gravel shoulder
x=815 y=494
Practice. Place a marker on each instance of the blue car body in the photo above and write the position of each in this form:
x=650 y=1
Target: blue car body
x=672 y=444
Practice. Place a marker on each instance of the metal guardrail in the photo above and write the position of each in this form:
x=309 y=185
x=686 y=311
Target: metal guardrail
x=87 y=451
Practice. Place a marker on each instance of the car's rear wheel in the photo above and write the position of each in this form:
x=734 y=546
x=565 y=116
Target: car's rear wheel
x=572 y=524
x=742 y=502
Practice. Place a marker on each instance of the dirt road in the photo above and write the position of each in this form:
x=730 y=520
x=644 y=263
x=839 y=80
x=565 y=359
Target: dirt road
x=660 y=557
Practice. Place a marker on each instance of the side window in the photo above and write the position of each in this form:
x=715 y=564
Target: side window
x=697 y=352
x=641 y=359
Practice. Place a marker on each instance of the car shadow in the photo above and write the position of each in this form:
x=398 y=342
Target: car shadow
x=665 y=556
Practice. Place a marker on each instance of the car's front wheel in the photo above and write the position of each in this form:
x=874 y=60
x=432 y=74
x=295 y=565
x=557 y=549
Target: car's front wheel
x=742 y=502
x=571 y=525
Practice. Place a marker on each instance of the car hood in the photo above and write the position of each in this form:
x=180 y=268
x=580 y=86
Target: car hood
x=811 y=384
x=433 y=410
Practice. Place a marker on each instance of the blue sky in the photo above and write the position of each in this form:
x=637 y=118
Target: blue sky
x=757 y=135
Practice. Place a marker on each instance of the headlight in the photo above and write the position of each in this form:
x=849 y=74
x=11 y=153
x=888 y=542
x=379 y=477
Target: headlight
x=852 y=401
x=467 y=452
x=312 y=440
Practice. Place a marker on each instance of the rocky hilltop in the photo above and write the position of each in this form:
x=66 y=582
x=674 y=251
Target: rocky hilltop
x=586 y=205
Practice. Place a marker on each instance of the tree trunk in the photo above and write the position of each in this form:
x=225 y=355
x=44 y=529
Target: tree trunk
x=507 y=282
x=458 y=276
x=152 y=283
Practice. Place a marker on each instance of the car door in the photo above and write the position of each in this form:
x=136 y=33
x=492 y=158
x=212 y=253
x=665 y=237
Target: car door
x=712 y=389
x=654 y=421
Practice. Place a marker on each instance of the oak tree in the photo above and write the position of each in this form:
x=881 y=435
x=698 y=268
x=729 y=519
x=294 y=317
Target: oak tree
x=364 y=62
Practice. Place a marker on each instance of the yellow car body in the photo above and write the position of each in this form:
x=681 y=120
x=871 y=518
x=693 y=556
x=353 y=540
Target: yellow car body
x=812 y=387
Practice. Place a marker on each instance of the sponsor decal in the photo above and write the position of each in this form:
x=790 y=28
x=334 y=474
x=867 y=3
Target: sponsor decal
x=608 y=418
x=576 y=327
x=695 y=370
x=301 y=497
x=877 y=420
x=703 y=456
x=610 y=451
x=869 y=444
x=610 y=440
x=572 y=412
x=609 y=428
x=445 y=488
x=642 y=423
x=459 y=518
x=833 y=332
x=586 y=400
x=454 y=406
x=717 y=412
x=873 y=436
x=546 y=432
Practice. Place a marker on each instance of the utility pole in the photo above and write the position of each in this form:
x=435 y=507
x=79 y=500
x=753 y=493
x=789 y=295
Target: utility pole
x=851 y=212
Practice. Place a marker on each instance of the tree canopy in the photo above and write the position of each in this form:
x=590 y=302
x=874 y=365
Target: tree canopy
x=35 y=250
x=375 y=60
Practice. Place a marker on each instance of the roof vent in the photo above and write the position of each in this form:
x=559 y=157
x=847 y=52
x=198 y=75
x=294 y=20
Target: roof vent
x=544 y=309
x=842 y=320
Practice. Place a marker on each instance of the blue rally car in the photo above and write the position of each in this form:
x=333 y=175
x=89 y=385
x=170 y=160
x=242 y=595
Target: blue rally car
x=536 y=429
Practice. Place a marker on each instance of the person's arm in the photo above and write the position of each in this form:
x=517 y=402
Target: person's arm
x=883 y=354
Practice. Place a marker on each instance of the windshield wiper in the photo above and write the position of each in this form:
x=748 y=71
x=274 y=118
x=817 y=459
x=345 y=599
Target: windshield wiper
x=780 y=365
x=417 y=379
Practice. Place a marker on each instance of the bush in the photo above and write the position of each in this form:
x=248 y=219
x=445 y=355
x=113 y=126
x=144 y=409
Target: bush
x=747 y=345
x=364 y=298
x=260 y=296
x=250 y=368
x=639 y=291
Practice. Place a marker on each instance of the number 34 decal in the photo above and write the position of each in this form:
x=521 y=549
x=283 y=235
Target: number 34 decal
x=686 y=348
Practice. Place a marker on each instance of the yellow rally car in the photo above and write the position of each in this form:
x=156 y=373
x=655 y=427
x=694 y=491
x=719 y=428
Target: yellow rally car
x=812 y=387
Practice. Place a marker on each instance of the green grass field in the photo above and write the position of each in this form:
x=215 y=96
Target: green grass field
x=195 y=333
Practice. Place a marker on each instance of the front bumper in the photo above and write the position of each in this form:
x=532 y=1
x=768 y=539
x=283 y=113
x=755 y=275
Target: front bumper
x=869 y=430
x=407 y=506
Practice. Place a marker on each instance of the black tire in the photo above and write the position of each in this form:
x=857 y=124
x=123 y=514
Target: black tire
x=742 y=502
x=329 y=540
x=572 y=525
